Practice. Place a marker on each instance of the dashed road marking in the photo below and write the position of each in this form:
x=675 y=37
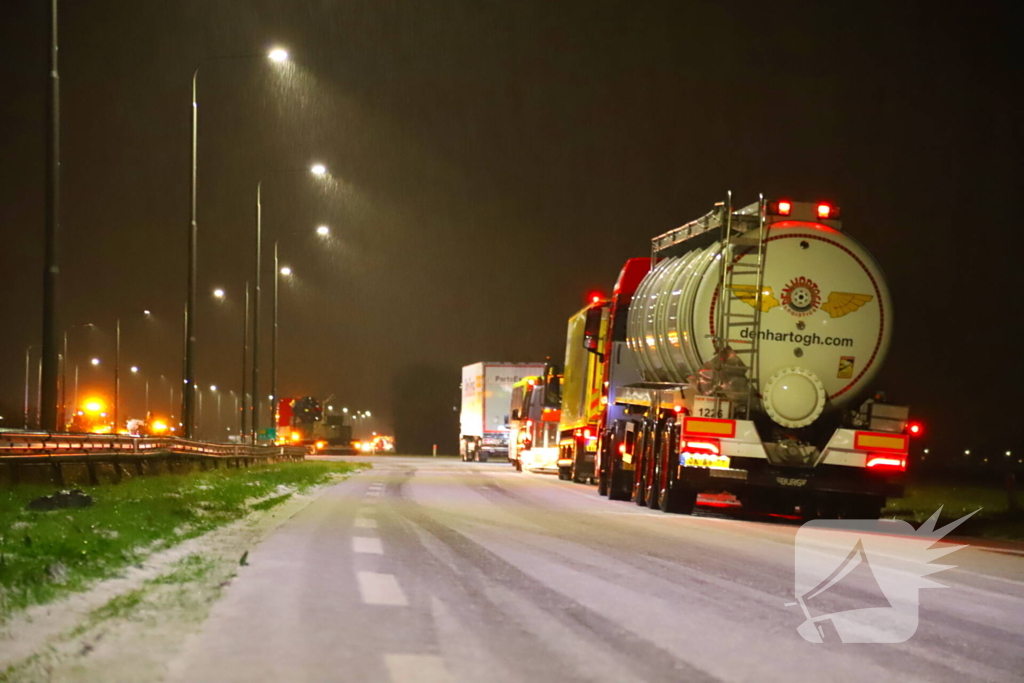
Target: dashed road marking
x=417 y=668
x=364 y=544
x=364 y=523
x=380 y=589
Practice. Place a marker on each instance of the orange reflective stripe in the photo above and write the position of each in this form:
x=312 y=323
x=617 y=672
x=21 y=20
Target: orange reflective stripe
x=706 y=426
x=886 y=443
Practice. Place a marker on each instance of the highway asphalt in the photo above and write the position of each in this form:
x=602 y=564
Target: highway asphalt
x=434 y=570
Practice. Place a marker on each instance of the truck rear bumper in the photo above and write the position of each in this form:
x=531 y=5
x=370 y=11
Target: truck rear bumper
x=750 y=473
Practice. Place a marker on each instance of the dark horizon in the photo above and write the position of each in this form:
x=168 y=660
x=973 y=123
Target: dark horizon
x=491 y=165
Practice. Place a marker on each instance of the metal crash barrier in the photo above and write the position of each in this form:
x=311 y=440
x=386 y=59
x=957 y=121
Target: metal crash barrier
x=61 y=458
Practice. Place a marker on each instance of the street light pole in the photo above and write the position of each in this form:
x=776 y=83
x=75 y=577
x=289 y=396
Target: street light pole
x=256 y=319
x=51 y=270
x=245 y=354
x=188 y=397
x=28 y=375
x=117 y=374
x=317 y=170
x=273 y=338
x=64 y=386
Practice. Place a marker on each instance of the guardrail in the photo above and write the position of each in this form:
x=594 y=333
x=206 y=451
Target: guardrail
x=45 y=444
x=62 y=458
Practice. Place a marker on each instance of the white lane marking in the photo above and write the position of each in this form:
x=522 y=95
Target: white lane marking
x=373 y=493
x=417 y=669
x=380 y=589
x=364 y=523
x=363 y=544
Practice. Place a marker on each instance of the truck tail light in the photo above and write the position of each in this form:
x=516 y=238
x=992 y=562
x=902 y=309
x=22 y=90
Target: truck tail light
x=915 y=429
x=887 y=463
x=709 y=446
x=783 y=207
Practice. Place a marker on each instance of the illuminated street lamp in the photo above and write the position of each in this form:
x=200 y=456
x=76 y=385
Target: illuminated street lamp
x=277 y=55
x=323 y=231
x=95 y=361
x=219 y=293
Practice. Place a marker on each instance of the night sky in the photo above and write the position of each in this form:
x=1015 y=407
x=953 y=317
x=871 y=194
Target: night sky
x=492 y=162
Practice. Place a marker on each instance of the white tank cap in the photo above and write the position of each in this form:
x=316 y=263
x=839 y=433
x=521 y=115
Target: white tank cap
x=794 y=396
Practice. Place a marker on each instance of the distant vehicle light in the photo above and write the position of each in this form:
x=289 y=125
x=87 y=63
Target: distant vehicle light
x=296 y=436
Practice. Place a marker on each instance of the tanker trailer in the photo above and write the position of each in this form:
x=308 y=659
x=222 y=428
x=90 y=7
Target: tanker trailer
x=757 y=333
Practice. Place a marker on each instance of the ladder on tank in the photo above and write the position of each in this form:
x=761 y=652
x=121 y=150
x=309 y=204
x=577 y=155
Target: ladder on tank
x=741 y=297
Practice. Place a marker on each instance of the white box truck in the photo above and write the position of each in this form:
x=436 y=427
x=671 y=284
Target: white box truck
x=486 y=399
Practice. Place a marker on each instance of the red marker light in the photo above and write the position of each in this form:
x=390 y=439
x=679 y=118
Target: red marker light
x=586 y=433
x=824 y=210
x=785 y=208
x=915 y=428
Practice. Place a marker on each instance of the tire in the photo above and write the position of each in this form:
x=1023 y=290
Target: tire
x=640 y=480
x=671 y=488
x=483 y=456
x=518 y=464
x=576 y=471
x=602 y=483
x=564 y=473
x=617 y=487
x=653 y=489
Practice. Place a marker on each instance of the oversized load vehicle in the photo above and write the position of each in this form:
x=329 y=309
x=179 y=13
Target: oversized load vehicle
x=754 y=337
x=486 y=401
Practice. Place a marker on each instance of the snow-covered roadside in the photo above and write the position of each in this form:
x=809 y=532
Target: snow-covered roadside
x=125 y=629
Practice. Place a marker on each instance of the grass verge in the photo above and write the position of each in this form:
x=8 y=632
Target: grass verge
x=993 y=521
x=44 y=555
